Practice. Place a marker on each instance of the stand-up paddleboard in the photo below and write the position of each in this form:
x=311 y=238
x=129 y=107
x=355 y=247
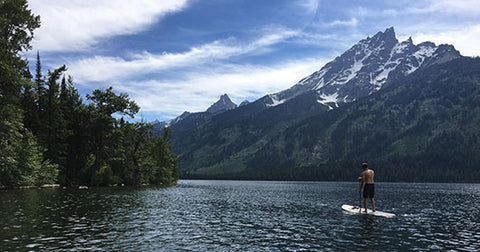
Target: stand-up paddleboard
x=357 y=210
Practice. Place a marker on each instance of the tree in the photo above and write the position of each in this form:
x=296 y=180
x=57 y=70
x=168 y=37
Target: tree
x=53 y=132
x=32 y=93
x=16 y=28
x=102 y=124
x=166 y=161
x=72 y=110
x=48 y=135
x=21 y=159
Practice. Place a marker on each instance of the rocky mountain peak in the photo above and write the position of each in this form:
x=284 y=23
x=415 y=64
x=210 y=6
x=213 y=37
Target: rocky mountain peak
x=223 y=104
x=243 y=103
x=386 y=39
x=366 y=67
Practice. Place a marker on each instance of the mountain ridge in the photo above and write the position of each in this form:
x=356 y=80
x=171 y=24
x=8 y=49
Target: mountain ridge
x=424 y=130
x=188 y=120
x=244 y=142
x=342 y=79
x=367 y=66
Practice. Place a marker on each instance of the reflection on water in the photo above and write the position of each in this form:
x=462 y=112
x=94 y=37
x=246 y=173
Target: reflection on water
x=241 y=215
x=367 y=224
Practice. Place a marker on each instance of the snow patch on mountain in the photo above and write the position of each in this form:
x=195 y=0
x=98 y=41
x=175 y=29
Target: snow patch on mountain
x=382 y=77
x=422 y=53
x=275 y=101
x=348 y=74
x=400 y=48
x=328 y=99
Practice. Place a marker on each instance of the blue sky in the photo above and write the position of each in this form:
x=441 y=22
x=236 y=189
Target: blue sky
x=172 y=56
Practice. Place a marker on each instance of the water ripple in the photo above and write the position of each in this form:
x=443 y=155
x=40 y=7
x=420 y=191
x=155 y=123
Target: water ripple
x=241 y=216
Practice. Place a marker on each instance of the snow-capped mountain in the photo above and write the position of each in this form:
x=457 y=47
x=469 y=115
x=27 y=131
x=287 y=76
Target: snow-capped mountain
x=405 y=102
x=365 y=68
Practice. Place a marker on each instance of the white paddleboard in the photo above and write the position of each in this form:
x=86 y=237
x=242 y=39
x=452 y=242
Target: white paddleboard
x=357 y=210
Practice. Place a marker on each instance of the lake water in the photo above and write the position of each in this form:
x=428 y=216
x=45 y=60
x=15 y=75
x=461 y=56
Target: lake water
x=205 y=215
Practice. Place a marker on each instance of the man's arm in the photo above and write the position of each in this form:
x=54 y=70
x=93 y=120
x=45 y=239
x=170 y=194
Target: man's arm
x=362 y=178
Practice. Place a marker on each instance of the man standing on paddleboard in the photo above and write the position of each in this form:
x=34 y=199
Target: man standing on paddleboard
x=369 y=189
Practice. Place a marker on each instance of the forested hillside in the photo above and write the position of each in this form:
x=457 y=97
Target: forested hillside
x=424 y=127
x=410 y=110
x=49 y=135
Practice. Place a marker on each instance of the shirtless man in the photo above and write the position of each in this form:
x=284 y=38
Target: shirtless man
x=369 y=189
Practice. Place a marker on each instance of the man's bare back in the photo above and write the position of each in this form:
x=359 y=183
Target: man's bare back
x=367 y=176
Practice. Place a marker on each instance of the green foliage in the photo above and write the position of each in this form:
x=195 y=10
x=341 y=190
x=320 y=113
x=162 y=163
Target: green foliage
x=166 y=161
x=105 y=176
x=48 y=135
x=107 y=102
x=10 y=135
x=16 y=26
x=21 y=160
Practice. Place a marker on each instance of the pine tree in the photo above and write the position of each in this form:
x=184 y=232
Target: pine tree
x=53 y=132
x=104 y=105
x=19 y=151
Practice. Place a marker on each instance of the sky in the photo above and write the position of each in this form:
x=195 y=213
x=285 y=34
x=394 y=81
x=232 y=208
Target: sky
x=172 y=56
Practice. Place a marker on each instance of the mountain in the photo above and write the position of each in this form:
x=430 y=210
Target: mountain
x=423 y=128
x=367 y=67
x=187 y=120
x=222 y=105
x=313 y=128
x=363 y=69
x=244 y=103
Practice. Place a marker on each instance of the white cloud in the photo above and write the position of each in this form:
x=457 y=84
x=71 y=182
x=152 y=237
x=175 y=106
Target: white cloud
x=168 y=83
x=308 y=5
x=199 y=89
x=465 y=40
x=76 y=25
x=350 y=22
x=100 y=68
x=197 y=76
x=455 y=7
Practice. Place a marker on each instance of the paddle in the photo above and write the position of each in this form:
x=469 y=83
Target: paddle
x=360 y=198
x=360 y=195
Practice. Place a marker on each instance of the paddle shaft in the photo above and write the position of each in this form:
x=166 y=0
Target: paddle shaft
x=360 y=197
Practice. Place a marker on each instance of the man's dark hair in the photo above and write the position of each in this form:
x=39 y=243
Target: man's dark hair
x=364 y=165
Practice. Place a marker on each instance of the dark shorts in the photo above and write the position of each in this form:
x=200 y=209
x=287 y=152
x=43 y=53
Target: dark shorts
x=369 y=191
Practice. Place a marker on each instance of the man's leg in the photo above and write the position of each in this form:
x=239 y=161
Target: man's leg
x=365 y=204
x=373 y=204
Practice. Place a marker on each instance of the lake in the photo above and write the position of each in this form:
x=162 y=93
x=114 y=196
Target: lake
x=209 y=215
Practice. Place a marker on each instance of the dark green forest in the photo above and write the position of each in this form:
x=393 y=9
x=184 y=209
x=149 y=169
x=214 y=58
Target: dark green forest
x=423 y=128
x=48 y=134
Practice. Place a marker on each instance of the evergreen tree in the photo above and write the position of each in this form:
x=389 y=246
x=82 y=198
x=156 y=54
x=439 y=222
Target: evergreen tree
x=53 y=132
x=31 y=100
x=70 y=105
x=20 y=155
x=16 y=26
x=166 y=161
x=102 y=125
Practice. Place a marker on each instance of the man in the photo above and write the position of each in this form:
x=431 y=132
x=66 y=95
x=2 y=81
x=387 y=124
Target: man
x=369 y=189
